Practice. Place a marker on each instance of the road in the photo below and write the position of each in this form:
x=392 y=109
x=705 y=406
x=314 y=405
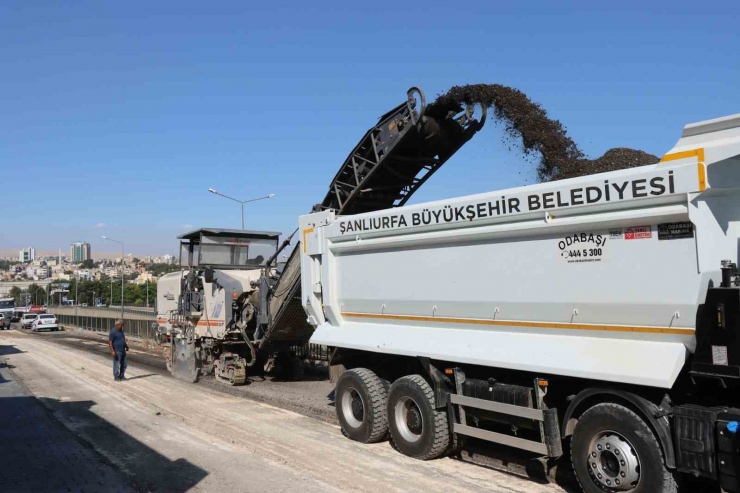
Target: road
x=166 y=435
x=308 y=397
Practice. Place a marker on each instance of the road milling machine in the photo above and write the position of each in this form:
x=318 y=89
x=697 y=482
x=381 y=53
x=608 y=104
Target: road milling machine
x=231 y=309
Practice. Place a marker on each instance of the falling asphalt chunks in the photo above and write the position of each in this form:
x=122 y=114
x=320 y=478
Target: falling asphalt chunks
x=527 y=122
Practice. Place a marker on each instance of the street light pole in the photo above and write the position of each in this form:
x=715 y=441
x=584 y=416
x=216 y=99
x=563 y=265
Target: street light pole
x=242 y=202
x=77 y=302
x=122 y=256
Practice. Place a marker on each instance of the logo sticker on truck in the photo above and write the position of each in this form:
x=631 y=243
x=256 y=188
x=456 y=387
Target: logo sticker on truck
x=579 y=248
x=638 y=233
x=674 y=231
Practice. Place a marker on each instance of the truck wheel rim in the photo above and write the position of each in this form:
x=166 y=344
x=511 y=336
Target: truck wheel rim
x=613 y=462
x=409 y=419
x=353 y=409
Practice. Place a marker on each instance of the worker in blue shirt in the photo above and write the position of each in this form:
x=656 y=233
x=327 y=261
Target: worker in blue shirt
x=118 y=348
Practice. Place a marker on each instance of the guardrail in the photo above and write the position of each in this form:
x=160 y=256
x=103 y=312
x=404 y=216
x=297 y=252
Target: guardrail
x=316 y=352
x=133 y=309
x=111 y=308
x=143 y=330
x=133 y=327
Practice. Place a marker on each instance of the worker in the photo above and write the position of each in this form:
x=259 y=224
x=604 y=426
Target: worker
x=118 y=348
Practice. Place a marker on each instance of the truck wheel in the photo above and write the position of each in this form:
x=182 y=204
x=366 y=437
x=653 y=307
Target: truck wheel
x=360 y=402
x=417 y=428
x=614 y=450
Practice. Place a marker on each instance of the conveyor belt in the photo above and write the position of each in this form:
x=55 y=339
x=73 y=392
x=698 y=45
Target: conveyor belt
x=396 y=157
x=392 y=160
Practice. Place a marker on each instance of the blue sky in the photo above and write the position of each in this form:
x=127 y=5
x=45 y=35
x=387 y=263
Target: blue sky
x=116 y=117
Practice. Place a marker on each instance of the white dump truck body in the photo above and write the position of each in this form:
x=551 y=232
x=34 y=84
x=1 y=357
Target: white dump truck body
x=597 y=277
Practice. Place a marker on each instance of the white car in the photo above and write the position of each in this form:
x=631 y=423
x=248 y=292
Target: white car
x=28 y=320
x=45 y=321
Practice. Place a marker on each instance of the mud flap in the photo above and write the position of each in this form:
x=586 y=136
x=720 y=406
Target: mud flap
x=185 y=365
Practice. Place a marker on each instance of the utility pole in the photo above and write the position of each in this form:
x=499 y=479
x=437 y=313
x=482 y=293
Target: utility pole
x=242 y=202
x=122 y=256
x=147 y=293
x=77 y=301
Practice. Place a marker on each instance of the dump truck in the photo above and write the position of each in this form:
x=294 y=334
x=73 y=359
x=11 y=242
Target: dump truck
x=230 y=311
x=598 y=314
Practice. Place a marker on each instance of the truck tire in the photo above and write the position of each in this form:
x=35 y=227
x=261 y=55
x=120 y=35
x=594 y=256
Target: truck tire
x=614 y=450
x=360 y=401
x=417 y=428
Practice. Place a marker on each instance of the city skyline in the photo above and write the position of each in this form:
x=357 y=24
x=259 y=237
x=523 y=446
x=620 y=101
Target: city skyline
x=12 y=254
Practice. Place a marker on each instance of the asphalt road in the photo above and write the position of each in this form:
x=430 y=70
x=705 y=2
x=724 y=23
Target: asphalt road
x=166 y=435
x=309 y=397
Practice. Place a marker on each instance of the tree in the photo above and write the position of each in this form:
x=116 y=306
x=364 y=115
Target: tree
x=37 y=294
x=88 y=291
x=87 y=264
x=161 y=269
x=15 y=293
x=6 y=264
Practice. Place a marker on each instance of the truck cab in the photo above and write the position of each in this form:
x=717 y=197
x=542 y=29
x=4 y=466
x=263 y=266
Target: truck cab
x=7 y=307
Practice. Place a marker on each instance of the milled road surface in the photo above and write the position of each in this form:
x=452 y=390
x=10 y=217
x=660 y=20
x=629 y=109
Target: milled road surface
x=167 y=435
x=307 y=397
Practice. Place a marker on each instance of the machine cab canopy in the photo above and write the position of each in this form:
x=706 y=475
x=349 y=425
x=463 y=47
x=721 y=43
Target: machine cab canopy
x=227 y=248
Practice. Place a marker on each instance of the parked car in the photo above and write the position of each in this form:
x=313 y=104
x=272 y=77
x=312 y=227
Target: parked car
x=28 y=320
x=46 y=321
x=4 y=321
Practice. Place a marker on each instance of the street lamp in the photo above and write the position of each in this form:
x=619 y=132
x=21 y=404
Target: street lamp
x=77 y=300
x=242 y=202
x=94 y=305
x=122 y=256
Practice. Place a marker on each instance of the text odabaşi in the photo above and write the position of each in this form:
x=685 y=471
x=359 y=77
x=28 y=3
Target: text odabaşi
x=610 y=191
